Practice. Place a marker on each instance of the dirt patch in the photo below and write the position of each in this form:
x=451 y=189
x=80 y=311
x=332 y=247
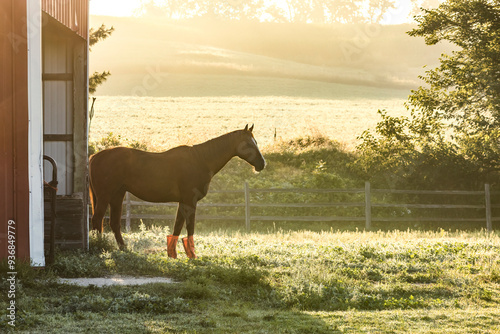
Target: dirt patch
x=115 y=280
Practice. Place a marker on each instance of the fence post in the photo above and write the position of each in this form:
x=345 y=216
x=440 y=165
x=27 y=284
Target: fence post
x=487 y=198
x=127 y=217
x=368 y=206
x=247 y=206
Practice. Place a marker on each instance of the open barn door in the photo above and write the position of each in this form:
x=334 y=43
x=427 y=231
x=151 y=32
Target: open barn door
x=65 y=80
x=57 y=79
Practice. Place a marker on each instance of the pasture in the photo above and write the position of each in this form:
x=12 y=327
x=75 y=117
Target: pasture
x=272 y=282
x=342 y=114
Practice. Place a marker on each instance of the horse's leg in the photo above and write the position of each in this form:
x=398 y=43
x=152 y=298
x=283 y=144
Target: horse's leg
x=188 y=242
x=100 y=206
x=190 y=221
x=180 y=218
x=115 y=216
x=172 y=239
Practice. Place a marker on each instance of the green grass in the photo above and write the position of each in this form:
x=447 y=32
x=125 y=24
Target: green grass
x=296 y=282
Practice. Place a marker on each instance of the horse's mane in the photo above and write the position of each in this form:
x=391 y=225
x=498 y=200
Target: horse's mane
x=213 y=147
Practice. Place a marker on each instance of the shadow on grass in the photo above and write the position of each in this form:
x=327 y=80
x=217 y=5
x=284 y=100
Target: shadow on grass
x=213 y=295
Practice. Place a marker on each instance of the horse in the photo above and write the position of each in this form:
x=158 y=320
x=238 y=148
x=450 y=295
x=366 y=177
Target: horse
x=181 y=174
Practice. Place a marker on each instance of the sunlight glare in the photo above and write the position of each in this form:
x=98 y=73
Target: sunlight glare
x=397 y=15
x=114 y=7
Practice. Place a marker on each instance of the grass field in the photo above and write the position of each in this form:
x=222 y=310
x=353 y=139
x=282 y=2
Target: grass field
x=299 y=282
x=164 y=122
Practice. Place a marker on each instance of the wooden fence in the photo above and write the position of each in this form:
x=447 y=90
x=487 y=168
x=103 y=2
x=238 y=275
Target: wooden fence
x=368 y=203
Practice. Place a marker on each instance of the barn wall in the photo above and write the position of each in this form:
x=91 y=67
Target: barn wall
x=21 y=118
x=14 y=173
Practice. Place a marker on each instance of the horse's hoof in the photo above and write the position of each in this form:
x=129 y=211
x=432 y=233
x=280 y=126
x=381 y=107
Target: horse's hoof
x=171 y=246
x=188 y=244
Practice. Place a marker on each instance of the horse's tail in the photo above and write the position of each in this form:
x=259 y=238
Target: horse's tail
x=93 y=199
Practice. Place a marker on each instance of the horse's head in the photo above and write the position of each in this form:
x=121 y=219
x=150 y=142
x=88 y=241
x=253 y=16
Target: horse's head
x=247 y=150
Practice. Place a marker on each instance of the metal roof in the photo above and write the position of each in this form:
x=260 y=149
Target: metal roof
x=71 y=13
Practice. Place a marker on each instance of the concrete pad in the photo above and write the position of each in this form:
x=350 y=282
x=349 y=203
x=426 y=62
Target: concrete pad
x=115 y=280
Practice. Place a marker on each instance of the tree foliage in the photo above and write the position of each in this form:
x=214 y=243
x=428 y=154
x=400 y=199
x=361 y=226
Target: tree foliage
x=452 y=134
x=99 y=34
x=298 y=11
x=96 y=79
x=96 y=35
x=465 y=88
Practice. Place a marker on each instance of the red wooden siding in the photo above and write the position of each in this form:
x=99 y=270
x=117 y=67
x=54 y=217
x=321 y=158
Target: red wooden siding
x=72 y=13
x=14 y=186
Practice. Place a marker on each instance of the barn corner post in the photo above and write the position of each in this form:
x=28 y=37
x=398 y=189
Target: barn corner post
x=81 y=120
x=86 y=130
x=35 y=134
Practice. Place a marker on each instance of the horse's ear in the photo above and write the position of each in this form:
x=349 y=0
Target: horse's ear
x=251 y=128
x=246 y=127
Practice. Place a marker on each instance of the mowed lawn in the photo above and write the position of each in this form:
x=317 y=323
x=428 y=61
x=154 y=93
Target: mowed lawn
x=273 y=282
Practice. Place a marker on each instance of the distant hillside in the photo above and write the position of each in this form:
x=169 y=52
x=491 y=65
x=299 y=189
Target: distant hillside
x=195 y=58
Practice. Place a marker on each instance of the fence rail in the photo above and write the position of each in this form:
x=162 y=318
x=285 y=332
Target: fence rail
x=367 y=205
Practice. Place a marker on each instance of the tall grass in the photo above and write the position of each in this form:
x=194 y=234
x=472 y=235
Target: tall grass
x=165 y=122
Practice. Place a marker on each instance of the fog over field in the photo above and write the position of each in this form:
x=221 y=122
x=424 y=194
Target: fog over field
x=143 y=53
x=175 y=82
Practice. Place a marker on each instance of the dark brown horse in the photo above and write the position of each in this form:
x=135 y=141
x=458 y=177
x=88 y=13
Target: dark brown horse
x=181 y=175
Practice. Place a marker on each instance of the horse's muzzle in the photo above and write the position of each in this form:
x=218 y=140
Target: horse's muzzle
x=260 y=165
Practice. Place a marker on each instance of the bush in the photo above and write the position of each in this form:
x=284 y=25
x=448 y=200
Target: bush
x=112 y=140
x=414 y=153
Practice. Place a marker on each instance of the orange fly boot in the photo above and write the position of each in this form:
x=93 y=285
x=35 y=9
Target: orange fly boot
x=189 y=246
x=172 y=245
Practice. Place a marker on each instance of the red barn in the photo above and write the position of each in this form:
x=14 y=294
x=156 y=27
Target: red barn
x=44 y=111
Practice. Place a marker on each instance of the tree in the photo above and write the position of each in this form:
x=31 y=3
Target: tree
x=297 y=11
x=333 y=11
x=378 y=8
x=344 y=11
x=456 y=115
x=465 y=88
x=96 y=35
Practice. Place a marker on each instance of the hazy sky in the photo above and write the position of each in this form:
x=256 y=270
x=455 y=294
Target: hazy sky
x=113 y=7
x=127 y=8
